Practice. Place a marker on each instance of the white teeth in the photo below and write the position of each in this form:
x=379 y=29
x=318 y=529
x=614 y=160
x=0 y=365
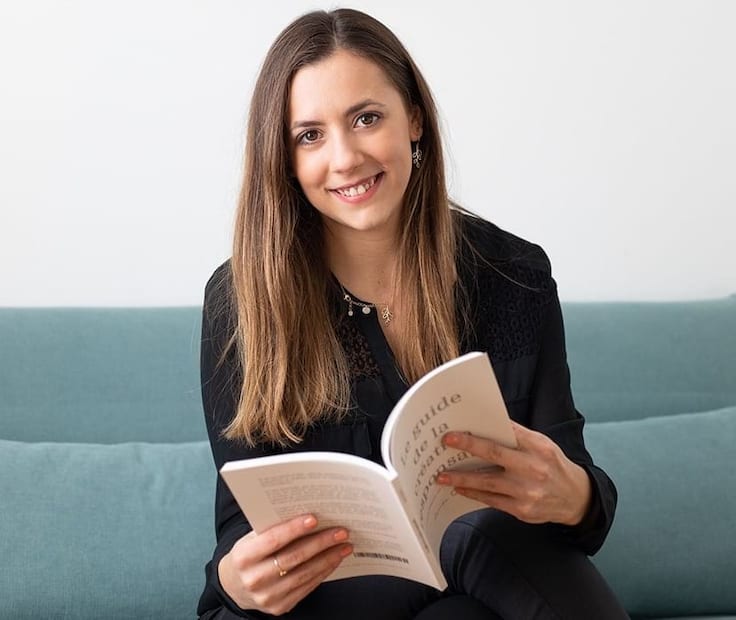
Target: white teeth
x=357 y=190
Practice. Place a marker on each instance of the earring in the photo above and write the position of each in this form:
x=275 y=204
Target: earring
x=416 y=155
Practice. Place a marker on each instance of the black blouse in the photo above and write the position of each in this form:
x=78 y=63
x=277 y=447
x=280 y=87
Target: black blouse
x=508 y=307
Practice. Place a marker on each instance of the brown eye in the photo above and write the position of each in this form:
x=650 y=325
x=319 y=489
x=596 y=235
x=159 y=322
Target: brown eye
x=309 y=136
x=367 y=119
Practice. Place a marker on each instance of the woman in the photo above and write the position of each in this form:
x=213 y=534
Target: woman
x=351 y=277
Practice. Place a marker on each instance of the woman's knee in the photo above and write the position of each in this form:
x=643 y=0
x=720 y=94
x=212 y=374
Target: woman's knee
x=508 y=564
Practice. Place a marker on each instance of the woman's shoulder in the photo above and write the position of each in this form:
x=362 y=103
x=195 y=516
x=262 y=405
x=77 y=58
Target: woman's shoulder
x=507 y=290
x=219 y=283
x=486 y=249
x=218 y=304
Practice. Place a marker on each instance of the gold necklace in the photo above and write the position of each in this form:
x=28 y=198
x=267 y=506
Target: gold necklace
x=366 y=308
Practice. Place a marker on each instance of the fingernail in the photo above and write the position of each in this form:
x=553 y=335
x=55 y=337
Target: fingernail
x=451 y=439
x=443 y=479
x=310 y=521
x=346 y=551
x=340 y=535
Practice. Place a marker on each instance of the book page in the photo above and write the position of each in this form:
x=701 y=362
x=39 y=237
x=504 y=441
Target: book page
x=461 y=395
x=340 y=490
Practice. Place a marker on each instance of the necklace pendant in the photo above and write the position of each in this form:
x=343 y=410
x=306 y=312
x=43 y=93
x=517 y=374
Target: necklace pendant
x=386 y=315
x=366 y=310
x=349 y=299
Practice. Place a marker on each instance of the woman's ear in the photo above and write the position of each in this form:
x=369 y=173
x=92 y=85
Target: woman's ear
x=416 y=119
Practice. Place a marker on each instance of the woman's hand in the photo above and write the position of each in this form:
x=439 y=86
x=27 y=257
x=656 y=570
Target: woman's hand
x=535 y=482
x=276 y=569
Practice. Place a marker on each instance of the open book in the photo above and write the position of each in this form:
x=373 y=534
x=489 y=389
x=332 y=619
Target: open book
x=395 y=515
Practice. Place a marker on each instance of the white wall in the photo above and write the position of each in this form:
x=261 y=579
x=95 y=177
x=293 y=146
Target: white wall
x=603 y=130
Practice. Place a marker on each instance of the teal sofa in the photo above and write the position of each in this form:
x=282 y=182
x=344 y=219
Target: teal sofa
x=106 y=481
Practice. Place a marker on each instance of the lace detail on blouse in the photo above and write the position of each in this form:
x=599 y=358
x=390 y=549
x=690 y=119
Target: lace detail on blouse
x=361 y=363
x=511 y=303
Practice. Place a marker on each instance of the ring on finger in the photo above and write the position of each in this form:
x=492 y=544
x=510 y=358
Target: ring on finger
x=282 y=572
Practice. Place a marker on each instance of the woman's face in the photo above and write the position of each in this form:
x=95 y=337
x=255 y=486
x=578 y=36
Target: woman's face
x=351 y=137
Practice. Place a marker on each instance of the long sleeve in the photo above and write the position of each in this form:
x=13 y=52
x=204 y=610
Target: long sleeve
x=220 y=392
x=515 y=315
x=357 y=432
x=221 y=383
x=553 y=412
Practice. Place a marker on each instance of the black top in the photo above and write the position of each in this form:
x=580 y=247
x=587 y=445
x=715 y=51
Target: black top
x=510 y=299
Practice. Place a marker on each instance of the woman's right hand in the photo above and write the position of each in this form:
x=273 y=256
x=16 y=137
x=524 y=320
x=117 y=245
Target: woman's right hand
x=274 y=570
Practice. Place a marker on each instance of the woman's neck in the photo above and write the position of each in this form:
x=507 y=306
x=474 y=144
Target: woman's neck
x=364 y=264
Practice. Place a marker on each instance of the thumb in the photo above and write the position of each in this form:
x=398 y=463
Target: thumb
x=523 y=435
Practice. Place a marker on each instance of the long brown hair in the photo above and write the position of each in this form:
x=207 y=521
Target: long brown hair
x=292 y=365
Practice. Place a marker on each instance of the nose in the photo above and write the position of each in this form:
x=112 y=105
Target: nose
x=346 y=154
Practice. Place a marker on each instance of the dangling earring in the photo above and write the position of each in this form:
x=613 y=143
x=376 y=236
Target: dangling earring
x=416 y=155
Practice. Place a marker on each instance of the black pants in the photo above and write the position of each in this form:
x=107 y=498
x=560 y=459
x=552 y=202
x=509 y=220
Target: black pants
x=496 y=567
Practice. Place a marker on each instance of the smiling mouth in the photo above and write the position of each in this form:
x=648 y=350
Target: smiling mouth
x=358 y=189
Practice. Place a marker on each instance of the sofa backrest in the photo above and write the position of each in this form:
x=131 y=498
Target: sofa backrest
x=131 y=374
x=636 y=360
x=100 y=375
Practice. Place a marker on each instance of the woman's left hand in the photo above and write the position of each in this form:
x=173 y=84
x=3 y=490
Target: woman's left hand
x=535 y=482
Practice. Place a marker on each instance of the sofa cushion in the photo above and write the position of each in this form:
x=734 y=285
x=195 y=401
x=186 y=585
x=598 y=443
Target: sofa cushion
x=104 y=531
x=672 y=546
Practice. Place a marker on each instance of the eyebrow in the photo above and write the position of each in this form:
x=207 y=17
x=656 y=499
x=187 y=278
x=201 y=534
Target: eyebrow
x=349 y=112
